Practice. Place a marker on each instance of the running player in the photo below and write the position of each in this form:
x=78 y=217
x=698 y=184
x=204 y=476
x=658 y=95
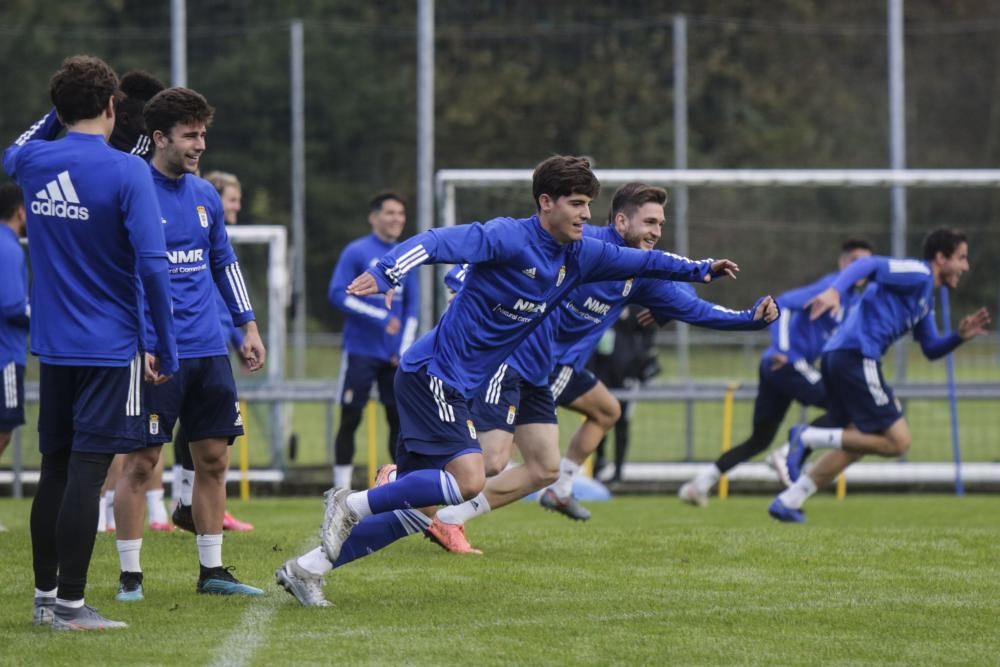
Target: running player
x=203 y=395
x=865 y=416
x=94 y=226
x=374 y=337
x=786 y=373
x=523 y=269
x=528 y=418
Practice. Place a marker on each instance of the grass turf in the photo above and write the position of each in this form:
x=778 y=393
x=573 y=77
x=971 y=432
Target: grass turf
x=870 y=580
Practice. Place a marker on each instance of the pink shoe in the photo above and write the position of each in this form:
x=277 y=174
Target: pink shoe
x=158 y=527
x=450 y=537
x=229 y=522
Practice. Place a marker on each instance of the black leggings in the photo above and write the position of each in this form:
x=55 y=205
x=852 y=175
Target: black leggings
x=760 y=439
x=182 y=449
x=350 y=419
x=64 y=520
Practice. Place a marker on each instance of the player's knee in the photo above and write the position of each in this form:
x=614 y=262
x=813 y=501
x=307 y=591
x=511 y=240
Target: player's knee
x=471 y=485
x=544 y=473
x=901 y=444
x=494 y=465
x=139 y=467
x=607 y=415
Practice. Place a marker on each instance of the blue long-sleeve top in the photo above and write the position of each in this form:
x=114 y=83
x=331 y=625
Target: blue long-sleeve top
x=14 y=309
x=94 y=234
x=367 y=316
x=899 y=297
x=520 y=274
x=202 y=264
x=571 y=334
x=796 y=336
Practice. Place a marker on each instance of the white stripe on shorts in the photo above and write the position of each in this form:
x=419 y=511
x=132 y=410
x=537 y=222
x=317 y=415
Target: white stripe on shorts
x=133 y=405
x=874 y=383
x=445 y=411
x=559 y=386
x=10 y=385
x=807 y=371
x=496 y=384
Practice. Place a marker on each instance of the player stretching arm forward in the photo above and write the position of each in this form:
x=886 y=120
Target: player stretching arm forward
x=867 y=418
x=524 y=268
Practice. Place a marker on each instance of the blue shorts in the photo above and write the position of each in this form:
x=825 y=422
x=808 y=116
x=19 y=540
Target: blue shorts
x=798 y=381
x=202 y=395
x=568 y=384
x=495 y=407
x=11 y=397
x=93 y=409
x=520 y=402
x=357 y=375
x=858 y=393
x=435 y=422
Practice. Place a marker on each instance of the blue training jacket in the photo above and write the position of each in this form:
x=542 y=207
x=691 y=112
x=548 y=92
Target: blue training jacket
x=899 y=297
x=520 y=274
x=14 y=310
x=202 y=262
x=367 y=317
x=94 y=232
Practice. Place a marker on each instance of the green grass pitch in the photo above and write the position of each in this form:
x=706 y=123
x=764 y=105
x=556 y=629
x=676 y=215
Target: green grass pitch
x=870 y=580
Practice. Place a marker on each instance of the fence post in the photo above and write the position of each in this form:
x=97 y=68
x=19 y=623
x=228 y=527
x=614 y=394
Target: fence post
x=727 y=433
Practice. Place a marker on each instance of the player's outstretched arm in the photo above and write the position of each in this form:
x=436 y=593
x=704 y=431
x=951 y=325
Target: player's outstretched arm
x=678 y=301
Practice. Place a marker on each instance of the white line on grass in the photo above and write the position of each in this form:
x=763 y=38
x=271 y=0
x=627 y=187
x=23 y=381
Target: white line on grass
x=241 y=644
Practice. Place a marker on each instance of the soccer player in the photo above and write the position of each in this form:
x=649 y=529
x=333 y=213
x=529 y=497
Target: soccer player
x=14 y=312
x=94 y=228
x=523 y=269
x=231 y=193
x=203 y=395
x=635 y=221
x=786 y=372
x=374 y=336
x=864 y=415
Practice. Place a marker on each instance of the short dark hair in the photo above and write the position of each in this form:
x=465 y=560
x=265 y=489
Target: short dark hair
x=11 y=199
x=376 y=202
x=564 y=175
x=175 y=106
x=944 y=241
x=80 y=90
x=851 y=245
x=137 y=87
x=631 y=196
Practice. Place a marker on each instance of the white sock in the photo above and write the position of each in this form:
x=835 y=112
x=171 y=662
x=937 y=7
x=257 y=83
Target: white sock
x=706 y=479
x=470 y=509
x=109 y=497
x=209 y=550
x=72 y=604
x=175 y=482
x=358 y=501
x=128 y=554
x=315 y=562
x=154 y=506
x=798 y=493
x=568 y=470
x=187 y=486
x=823 y=438
x=102 y=515
x=342 y=476
x=46 y=594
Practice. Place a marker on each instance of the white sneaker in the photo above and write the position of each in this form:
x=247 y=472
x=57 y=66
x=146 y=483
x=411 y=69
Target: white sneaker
x=338 y=522
x=305 y=586
x=690 y=494
x=778 y=461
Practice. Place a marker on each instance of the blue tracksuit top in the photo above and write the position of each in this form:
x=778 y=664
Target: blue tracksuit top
x=364 y=329
x=202 y=262
x=520 y=274
x=94 y=232
x=899 y=297
x=571 y=334
x=14 y=310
